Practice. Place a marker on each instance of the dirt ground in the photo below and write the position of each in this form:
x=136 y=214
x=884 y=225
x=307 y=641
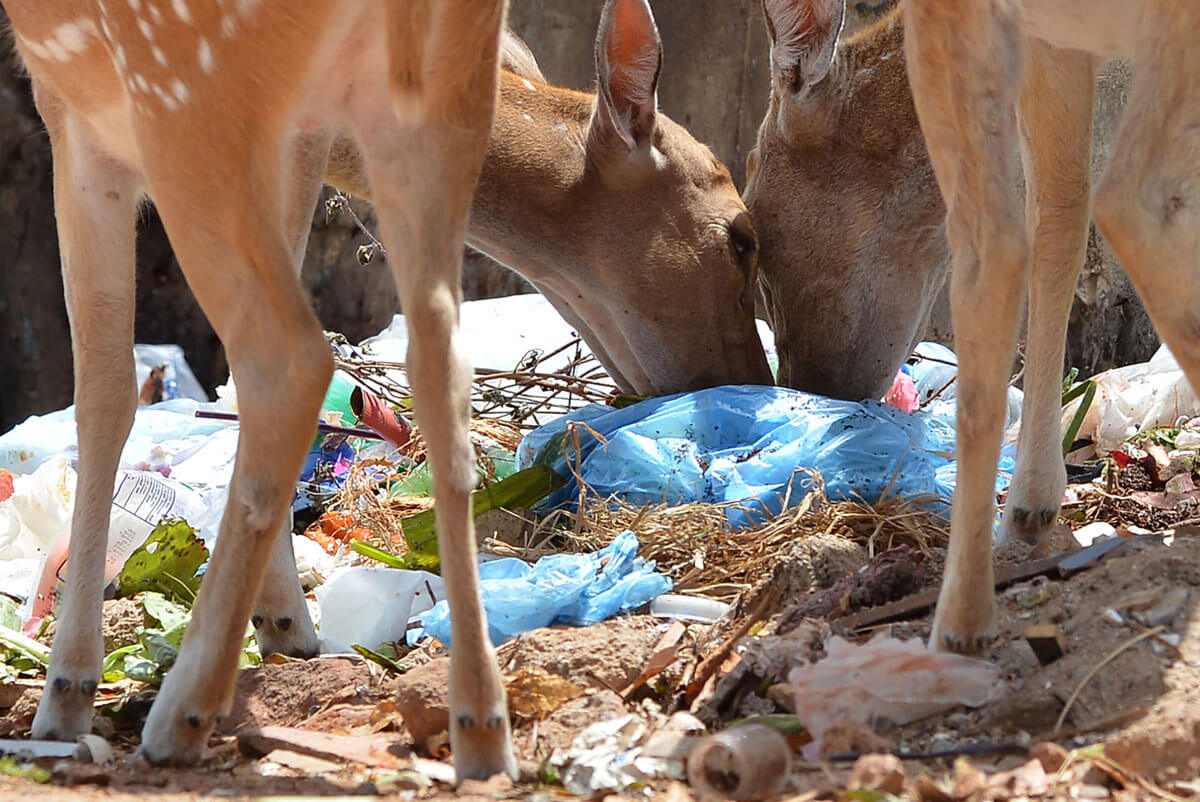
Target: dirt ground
x=1127 y=678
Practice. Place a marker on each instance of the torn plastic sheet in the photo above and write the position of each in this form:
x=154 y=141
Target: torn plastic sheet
x=578 y=589
x=756 y=445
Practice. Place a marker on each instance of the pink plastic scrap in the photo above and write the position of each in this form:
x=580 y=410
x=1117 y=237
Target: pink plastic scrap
x=903 y=393
x=886 y=679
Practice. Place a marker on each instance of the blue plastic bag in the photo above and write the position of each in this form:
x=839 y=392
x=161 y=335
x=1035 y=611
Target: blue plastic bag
x=578 y=589
x=756 y=445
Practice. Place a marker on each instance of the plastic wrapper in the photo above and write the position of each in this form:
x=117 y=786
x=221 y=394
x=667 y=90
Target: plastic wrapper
x=578 y=589
x=887 y=679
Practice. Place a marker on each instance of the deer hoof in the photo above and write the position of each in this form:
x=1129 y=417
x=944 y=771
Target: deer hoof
x=482 y=747
x=65 y=710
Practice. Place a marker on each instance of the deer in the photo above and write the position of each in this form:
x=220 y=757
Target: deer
x=986 y=81
x=392 y=99
x=559 y=180
x=554 y=166
x=206 y=107
x=840 y=141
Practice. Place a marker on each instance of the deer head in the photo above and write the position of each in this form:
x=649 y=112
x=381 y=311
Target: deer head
x=848 y=212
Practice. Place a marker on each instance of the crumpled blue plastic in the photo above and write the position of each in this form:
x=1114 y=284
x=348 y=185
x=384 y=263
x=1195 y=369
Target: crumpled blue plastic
x=579 y=589
x=755 y=445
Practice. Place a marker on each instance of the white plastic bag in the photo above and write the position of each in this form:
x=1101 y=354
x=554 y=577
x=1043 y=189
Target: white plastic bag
x=1134 y=398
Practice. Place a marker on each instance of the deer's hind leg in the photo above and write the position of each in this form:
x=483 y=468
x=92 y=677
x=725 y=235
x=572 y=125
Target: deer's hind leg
x=1148 y=203
x=280 y=615
x=1056 y=134
x=238 y=258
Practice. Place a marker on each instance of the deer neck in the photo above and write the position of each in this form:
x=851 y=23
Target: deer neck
x=533 y=187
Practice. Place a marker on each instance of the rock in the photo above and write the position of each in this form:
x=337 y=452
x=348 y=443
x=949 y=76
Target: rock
x=877 y=773
x=19 y=718
x=1165 y=610
x=369 y=750
x=610 y=654
x=285 y=694
x=421 y=699
x=1164 y=745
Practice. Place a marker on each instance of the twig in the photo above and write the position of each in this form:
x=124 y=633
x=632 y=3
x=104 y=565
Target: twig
x=1150 y=633
x=709 y=665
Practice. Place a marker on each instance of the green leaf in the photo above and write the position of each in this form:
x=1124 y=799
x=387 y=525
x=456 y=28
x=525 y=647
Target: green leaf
x=24 y=646
x=12 y=767
x=166 y=563
x=381 y=659
x=112 y=669
x=784 y=723
x=1089 y=395
x=138 y=667
x=167 y=613
x=870 y=795
x=8 y=613
x=522 y=489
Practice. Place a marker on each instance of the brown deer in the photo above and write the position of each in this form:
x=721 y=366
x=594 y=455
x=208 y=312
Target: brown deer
x=558 y=181
x=988 y=78
x=206 y=106
x=554 y=170
x=848 y=213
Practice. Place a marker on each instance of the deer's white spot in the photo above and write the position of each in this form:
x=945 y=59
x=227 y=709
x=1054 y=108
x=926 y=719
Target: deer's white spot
x=527 y=117
x=155 y=14
x=182 y=11
x=204 y=55
x=136 y=5
x=159 y=55
x=144 y=27
x=119 y=57
x=525 y=82
x=180 y=90
x=74 y=36
x=142 y=84
x=165 y=98
x=228 y=25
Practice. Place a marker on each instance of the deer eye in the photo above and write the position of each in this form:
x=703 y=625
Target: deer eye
x=742 y=240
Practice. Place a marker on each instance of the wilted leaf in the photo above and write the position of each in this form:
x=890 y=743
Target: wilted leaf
x=536 y=693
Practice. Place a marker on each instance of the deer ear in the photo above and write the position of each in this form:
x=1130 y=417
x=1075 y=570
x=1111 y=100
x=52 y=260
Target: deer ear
x=804 y=36
x=628 y=60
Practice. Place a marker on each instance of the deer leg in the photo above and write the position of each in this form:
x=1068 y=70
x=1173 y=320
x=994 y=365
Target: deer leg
x=964 y=64
x=423 y=167
x=1056 y=132
x=280 y=615
x=95 y=205
x=238 y=261
x=1147 y=205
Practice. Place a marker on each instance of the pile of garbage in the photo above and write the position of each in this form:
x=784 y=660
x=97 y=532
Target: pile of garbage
x=546 y=439
x=604 y=483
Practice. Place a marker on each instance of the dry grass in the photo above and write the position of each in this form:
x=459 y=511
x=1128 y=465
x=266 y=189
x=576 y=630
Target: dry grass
x=695 y=546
